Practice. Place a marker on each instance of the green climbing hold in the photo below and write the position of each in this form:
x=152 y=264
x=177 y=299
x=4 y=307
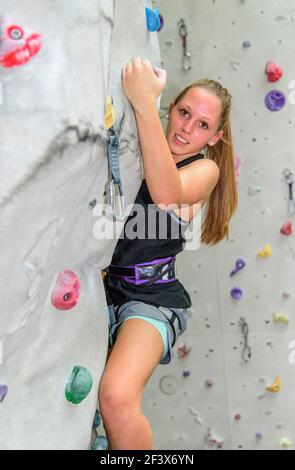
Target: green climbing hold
x=79 y=384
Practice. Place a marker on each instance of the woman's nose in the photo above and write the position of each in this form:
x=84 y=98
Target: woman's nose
x=188 y=127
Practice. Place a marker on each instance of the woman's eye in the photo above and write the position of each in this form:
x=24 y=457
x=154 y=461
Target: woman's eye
x=183 y=110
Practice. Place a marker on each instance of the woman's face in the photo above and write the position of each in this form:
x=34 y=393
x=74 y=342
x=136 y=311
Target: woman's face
x=195 y=118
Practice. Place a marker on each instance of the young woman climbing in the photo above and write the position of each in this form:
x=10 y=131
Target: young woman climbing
x=147 y=303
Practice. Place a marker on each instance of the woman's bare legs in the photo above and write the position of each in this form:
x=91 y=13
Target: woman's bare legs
x=137 y=351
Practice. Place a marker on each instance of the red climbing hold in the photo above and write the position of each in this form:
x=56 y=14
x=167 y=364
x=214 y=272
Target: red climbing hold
x=286 y=229
x=273 y=72
x=66 y=293
x=17 y=45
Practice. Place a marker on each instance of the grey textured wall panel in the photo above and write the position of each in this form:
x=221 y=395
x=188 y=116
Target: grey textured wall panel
x=264 y=139
x=53 y=163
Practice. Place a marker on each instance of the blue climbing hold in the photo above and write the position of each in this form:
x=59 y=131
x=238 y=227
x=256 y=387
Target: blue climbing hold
x=97 y=420
x=153 y=20
x=100 y=443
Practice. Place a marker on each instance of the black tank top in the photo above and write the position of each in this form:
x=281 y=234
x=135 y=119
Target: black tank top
x=156 y=234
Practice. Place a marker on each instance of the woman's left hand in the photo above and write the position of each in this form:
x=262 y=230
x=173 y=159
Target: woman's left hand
x=142 y=83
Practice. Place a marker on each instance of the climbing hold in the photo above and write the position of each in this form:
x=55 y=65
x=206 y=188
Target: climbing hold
x=97 y=420
x=285 y=443
x=153 y=21
x=286 y=229
x=196 y=414
x=252 y=190
x=236 y=293
x=259 y=435
x=110 y=115
x=238 y=163
x=100 y=443
x=276 y=386
x=279 y=317
x=169 y=384
x=240 y=263
x=286 y=295
x=212 y=440
x=237 y=417
x=92 y=203
x=235 y=64
x=66 y=293
x=275 y=100
x=3 y=392
x=161 y=22
x=273 y=72
x=246 y=44
x=209 y=383
x=17 y=45
x=265 y=252
x=183 y=350
x=79 y=385
x=186 y=373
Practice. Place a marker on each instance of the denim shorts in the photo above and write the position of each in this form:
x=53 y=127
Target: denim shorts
x=174 y=319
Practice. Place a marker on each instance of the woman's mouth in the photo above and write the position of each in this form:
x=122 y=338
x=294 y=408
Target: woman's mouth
x=180 y=140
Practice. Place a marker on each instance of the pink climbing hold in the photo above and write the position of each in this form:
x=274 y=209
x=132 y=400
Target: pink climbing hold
x=17 y=44
x=66 y=293
x=273 y=72
x=286 y=229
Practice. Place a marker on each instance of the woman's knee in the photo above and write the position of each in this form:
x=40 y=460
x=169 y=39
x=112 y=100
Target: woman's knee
x=115 y=399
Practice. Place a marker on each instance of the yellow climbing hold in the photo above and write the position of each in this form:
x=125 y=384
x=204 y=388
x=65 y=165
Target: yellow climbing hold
x=286 y=443
x=276 y=386
x=110 y=116
x=279 y=317
x=265 y=252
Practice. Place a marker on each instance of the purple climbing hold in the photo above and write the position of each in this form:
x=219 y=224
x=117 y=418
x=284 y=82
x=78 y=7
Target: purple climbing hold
x=240 y=263
x=3 y=392
x=236 y=293
x=186 y=373
x=246 y=44
x=161 y=22
x=275 y=100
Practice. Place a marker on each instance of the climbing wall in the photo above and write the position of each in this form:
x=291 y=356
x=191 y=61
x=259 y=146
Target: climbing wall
x=217 y=396
x=59 y=61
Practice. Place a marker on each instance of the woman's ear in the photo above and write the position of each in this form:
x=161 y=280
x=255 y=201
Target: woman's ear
x=216 y=138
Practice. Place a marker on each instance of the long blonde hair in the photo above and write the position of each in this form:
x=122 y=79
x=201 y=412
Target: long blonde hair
x=223 y=201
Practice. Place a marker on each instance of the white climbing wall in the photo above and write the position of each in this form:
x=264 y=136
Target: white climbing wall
x=181 y=409
x=53 y=174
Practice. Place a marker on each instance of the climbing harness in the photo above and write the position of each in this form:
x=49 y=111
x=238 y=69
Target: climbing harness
x=158 y=271
x=186 y=59
x=115 y=199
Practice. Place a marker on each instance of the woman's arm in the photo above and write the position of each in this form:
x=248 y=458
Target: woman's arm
x=162 y=176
